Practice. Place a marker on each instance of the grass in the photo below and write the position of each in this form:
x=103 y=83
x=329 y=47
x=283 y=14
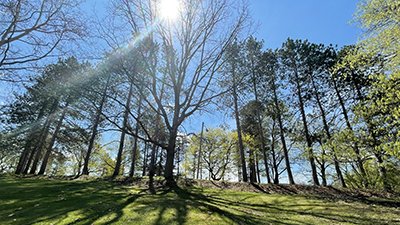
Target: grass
x=39 y=201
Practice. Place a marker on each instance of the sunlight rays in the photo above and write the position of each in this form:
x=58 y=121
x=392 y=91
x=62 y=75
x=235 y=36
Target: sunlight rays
x=169 y=9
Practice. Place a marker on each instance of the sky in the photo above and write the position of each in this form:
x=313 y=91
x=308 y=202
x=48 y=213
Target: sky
x=319 y=21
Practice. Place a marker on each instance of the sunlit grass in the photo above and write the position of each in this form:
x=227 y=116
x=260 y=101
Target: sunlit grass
x=33 y=201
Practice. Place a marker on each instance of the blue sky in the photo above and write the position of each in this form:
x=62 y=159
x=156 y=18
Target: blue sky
x=320 y=21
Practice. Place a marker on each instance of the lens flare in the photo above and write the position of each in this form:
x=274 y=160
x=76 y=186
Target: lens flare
x=169 y=9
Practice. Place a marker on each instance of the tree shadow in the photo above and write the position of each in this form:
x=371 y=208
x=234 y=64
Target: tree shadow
x=87 y=202
x=38 y=201
x=238 y=212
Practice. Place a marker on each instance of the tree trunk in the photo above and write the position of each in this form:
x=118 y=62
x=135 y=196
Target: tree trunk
x=160 y=159
x=239 y=132
x=323 y=164
x=52 y=141
x=152 y=168
x=356 y=149
x=323 y=174
x=253 y=172
x=275 y=164
x=123 y=132
x=282 y=135
x=329 y=136
x=239 y=166
x=135 y=143
x=85 y=170
x=169 y=164
x=199 y=153
x=145 y=156
x=28 y=145
x=382 y=172
x=306 y=132
x=258 y=170
x=24 y=156
x=36 y=153
x=260 y=131
x=194 y=167
x=265 y=158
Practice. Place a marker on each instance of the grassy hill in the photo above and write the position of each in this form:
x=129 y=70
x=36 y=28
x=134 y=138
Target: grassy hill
x=43 y=201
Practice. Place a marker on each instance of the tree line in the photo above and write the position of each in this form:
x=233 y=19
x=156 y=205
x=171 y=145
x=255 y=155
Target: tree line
x=337 y=109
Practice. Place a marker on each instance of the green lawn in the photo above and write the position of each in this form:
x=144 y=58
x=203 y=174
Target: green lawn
x=34 y=201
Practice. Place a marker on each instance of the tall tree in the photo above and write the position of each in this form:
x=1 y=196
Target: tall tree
x=236 y=78
x=253 y=54
x=343 y=76
x=95 y=124
x=319 y=61
x=271 y=72
x=123 y=132
x=292 y=56
x=190 y=61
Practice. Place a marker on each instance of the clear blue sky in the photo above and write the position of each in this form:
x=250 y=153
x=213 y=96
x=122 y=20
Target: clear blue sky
x=320 y=21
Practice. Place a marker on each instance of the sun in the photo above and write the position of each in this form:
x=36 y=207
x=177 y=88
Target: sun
x=169 y=9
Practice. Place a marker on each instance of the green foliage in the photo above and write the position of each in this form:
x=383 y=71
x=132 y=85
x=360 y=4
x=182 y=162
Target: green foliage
x=218 y=149
x=355 y=180
x=9 y=149
x=380 y=20
x=381 y=109
x=101 y=162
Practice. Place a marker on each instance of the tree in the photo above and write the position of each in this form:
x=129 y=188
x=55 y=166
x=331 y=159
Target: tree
x=55 y=88
x=380 y=21
x=190 y=60
x=381 y=18
x=95 y=124
x=271 y=73
x=293 y=54
x=348 y=75
x=234 y=83
x=253 y=59
x=251 y=126
x=318 y=63
x=218 y=146
x=33 y=30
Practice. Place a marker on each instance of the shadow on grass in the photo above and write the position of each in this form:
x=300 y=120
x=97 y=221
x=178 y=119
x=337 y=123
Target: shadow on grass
x=241 y=212
x=32 y=201
x=28 y=201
